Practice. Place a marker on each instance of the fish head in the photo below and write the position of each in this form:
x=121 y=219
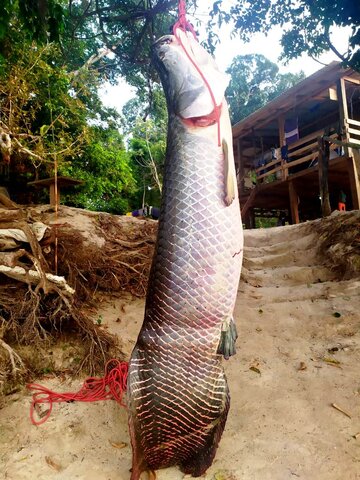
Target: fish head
x=179 y=60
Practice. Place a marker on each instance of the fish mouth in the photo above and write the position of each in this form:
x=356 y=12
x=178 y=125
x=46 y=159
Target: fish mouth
x=183 y=66
x=166 y=39
x=162 y=45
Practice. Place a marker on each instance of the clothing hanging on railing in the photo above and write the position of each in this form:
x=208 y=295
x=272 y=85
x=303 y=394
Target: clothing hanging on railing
x=291 y=128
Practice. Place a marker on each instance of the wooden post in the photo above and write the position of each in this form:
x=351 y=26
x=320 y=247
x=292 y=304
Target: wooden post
x=343 y=111
x=249 y=218
x=354 y=183
x=52 y=194
x=240 y=166
x=281 y=123
x=324 y=154
x=249 y=202
x=294 y=203
x=253 y=142
x=252 y=218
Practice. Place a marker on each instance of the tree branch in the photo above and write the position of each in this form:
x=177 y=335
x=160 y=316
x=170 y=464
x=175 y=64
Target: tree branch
x=343 y=58
x=101 y=53
x=161 y=6
x=152 y=164
x=102 y=29
x=27 y=151
x=317 y=60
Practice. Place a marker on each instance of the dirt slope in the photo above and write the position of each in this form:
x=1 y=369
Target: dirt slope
x=298 y=353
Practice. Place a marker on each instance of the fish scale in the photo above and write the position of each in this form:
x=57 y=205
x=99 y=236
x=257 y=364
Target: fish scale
x=178 y=396
x=183 y=406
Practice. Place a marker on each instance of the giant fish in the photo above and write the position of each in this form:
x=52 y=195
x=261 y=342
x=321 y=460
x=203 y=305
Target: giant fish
x=177 y=395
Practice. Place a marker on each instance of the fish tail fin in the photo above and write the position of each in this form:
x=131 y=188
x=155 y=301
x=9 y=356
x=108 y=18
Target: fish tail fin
x=138 y=463
x=197 y=464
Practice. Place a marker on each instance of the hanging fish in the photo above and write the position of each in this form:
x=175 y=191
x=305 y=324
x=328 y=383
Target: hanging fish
x=178 y=397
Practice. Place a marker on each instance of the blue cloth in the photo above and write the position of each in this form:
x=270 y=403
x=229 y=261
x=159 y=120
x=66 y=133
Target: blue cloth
x=284 y=152
x=291 y=130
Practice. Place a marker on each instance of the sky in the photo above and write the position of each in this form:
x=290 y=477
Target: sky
x=269 y=46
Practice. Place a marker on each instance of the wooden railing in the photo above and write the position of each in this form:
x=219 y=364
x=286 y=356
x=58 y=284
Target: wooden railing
x=302 y=152
x=261 y=172
x=353 y=129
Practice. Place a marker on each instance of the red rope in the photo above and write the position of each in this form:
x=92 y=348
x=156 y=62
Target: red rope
x=111 y=387
x=182 y=22
x=184 y=25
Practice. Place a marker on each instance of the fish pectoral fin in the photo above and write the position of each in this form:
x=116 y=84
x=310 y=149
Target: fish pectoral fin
x=228 y=338
x=228 y=176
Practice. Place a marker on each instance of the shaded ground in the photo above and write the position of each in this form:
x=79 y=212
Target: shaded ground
x=298 y=353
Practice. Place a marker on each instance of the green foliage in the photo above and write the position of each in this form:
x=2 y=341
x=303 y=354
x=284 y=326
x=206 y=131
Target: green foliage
x=51 y=109
x=147 y=150
x=7 y=7
x=105 y=169
x=128 y=28
x=42 y=19
x=307 y=25
x=255 y=81
x=265 y=222
x=35 y=20
x=83 y=29
x=54 y=56
x=148 y=104
x=44 y=119
x=146 y=123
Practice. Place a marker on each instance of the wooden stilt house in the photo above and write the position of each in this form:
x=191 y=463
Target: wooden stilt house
x=302 y=149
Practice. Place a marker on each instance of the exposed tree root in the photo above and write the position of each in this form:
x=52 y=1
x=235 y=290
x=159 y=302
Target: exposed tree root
x=340 y=243
x=17 y=364
x=37 y=306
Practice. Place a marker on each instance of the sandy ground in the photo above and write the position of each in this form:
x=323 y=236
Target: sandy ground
x=295 y=359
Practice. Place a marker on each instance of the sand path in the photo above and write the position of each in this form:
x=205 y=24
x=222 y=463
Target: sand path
x=295 y=359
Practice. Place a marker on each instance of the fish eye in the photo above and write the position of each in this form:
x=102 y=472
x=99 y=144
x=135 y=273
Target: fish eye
x=167 y=40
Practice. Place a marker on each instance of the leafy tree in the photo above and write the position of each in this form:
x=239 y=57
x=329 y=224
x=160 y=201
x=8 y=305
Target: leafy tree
x=44 y=120
x=41 y=20
x=127 y=28
x=53 y=56
x=147 y=150
x=255 y=80
x=105 y=169
x=148 y=104
x=47 y=109
x=307 y=24
x=146 y=124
